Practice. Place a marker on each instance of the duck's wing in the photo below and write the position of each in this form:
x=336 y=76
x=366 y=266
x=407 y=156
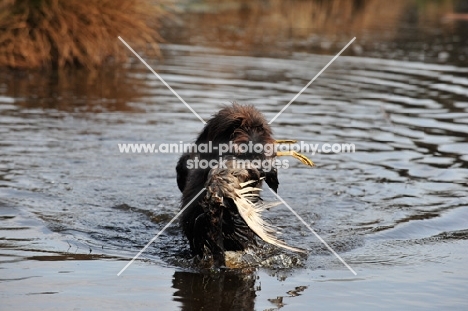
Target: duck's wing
x=252 y=215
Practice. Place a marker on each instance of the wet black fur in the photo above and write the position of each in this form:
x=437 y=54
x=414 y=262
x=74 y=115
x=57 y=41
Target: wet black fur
x=205 y=223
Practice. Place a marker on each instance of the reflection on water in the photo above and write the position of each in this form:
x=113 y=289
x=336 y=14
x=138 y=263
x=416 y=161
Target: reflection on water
x=71 y=90
x=224 y=290
x=395 y=210
x=401 y=29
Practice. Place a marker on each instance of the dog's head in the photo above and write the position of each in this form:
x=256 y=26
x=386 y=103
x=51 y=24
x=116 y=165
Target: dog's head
x=239 y=125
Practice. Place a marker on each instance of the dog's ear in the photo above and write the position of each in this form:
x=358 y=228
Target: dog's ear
x=182 y=171
x=271 y=178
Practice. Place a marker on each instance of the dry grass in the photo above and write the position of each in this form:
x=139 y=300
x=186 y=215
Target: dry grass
x=60 y=33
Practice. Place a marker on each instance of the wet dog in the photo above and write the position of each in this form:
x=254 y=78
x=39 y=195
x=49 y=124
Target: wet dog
x=227 y=215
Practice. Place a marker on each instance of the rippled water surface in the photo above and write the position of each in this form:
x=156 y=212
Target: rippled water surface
x=74 y=210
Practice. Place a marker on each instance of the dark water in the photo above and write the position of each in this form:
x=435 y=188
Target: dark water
x=74 y=210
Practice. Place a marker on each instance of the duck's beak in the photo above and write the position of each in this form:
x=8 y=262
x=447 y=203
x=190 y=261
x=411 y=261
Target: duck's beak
x=294 y=154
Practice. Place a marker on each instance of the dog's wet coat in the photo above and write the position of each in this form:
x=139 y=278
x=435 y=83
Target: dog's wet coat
x=227 y=216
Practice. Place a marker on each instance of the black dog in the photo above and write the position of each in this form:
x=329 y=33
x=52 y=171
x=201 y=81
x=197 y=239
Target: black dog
x=226 y=217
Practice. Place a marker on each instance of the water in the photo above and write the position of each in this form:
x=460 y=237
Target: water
x=74 y=210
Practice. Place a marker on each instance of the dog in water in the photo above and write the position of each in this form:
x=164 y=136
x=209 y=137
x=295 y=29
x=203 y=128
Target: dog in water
x=231 y=166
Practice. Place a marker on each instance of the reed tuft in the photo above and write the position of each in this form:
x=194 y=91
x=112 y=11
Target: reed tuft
x=62 y=33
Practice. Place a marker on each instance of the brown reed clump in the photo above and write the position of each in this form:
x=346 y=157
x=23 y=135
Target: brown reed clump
x=60 y=33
